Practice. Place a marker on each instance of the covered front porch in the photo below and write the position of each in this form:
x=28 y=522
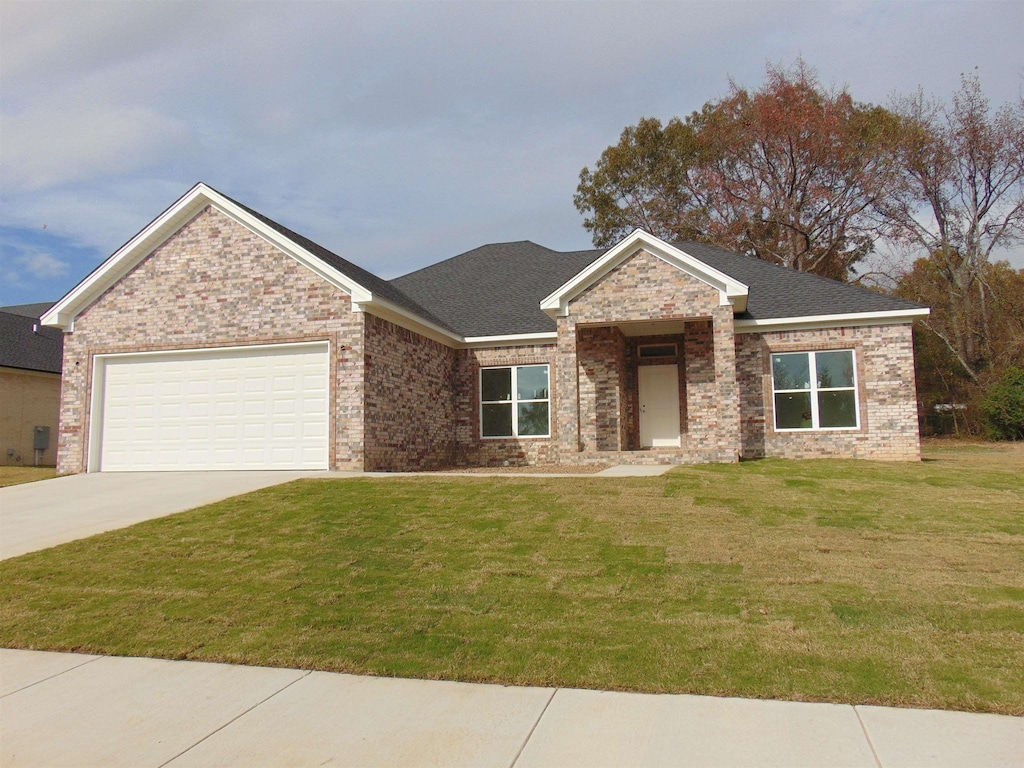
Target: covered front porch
x=649 y=392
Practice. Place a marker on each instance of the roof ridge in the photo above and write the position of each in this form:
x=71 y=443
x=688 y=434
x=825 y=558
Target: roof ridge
x=466 y=253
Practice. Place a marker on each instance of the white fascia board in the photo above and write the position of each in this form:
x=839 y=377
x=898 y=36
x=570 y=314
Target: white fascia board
x=847 y=320
x=732 y=291
x=63 y=313
x=402 y=317
x=511 y=340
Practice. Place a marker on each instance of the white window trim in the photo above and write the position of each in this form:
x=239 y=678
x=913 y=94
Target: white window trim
x=514 y=402
x=814 y=390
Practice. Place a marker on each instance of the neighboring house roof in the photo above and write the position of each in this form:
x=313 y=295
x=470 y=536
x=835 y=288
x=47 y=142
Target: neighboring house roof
x=509 y=289
x=27 y=344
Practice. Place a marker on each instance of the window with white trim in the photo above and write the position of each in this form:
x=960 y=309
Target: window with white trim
x=515 y=401
x=815 y=390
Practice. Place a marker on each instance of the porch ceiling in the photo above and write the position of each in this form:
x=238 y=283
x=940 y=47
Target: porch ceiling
x=652 y=327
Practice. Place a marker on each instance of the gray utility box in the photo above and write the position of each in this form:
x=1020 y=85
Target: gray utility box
x=40 y=438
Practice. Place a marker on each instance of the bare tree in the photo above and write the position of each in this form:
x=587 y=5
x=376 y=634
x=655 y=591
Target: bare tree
x=961 y=199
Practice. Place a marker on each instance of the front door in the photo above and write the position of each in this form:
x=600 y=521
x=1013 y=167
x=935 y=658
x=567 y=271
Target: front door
x=659 y=406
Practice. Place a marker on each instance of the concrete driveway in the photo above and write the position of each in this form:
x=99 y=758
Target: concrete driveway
x=51 y=512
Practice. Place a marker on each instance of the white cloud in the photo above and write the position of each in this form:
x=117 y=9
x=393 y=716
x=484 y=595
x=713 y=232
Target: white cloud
x=52 y=146
x=32 y=268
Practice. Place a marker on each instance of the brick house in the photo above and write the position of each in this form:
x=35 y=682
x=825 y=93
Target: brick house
x=219 y=339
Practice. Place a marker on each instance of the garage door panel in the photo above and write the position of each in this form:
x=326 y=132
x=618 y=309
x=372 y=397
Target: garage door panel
x=255 y=408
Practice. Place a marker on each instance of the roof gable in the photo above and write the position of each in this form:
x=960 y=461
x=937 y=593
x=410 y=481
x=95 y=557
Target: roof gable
x=364 y=287
x=731 y=290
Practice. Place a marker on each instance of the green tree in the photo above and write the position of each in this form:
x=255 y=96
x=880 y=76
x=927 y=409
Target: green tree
x=790 y=173
x=1003 y=406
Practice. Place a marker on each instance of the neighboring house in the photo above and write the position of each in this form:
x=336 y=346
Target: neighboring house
x=30 y=365
x=218 y=339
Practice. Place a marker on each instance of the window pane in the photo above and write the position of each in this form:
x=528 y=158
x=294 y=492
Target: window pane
x=533 y=418
x=835 y=369
x=791 y=371
x=532 y=383
x=496 y=384
x=837 y=409
x=793 y=410
x=497 y=420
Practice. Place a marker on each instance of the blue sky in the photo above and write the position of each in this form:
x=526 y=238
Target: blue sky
x=399 y=134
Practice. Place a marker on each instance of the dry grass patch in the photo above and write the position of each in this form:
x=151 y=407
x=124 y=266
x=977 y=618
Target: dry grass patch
x=18 y=475
x=846 y=581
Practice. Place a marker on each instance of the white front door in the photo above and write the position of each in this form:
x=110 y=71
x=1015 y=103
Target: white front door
x=659 y=406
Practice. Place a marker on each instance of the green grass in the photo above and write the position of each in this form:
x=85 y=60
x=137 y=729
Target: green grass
x=847 y=581
x=18 y=475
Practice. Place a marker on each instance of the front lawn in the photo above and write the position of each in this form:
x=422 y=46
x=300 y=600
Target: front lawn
x=861 y=582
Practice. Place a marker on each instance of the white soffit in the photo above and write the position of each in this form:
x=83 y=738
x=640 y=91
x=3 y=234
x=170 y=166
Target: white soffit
x=732 y=291
x=63 y=313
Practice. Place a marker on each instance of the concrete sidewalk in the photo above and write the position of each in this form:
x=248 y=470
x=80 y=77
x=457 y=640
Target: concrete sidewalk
x=72 y=710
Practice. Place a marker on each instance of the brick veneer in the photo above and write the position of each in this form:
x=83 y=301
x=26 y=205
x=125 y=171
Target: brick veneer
x=473 y=450
x=887 y=394
x=215 y=283
x=410 y=399
x=402 y=401
x=594 y=378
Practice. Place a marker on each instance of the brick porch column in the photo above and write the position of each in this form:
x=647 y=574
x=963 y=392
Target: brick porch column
x=567 y=391
x=727 y=389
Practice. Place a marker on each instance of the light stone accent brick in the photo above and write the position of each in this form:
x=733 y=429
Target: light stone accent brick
x=215 y=283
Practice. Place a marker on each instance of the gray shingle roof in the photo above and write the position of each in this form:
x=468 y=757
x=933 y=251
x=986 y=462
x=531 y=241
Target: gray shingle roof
x=497 y=289
x=22 y=347
x=777 y=291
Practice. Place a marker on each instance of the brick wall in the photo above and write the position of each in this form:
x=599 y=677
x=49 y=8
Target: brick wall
x=887 y=395
x=215 y=283
x=473 y=450
x=410 y=399
x=646 y=288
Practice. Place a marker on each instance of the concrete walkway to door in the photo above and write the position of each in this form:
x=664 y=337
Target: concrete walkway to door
x=50 y=512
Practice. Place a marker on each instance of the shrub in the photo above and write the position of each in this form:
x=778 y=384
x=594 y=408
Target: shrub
x=1003 y=406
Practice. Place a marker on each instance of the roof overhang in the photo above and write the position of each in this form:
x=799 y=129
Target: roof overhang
x=156 y=233
x=845 y=320
x=731 y=291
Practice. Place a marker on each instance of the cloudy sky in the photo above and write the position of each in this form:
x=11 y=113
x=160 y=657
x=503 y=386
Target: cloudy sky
x=398 y=134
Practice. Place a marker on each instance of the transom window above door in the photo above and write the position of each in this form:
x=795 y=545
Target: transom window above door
x=815 y=390
x=515 y=401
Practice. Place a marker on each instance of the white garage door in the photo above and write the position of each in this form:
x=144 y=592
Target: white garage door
x=240 y=408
